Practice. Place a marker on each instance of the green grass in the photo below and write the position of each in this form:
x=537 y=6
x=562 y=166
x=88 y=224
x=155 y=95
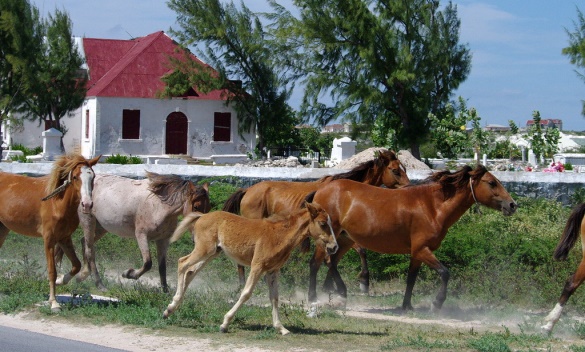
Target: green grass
x=502 y=271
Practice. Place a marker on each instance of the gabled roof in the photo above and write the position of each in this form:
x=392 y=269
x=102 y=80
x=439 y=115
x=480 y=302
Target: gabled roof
x=132 y=68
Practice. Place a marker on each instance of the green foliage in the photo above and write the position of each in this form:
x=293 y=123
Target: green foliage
x=25 y=151
x=490 y=343
x=543 y=143
x=449 y=129
x=576 y=49
x=504 y=150
x=385 y=76
x=234 y=43
x=123 y=159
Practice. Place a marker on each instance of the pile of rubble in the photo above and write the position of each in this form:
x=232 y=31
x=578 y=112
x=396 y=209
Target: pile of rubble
x=409 y=162
x=405 y=157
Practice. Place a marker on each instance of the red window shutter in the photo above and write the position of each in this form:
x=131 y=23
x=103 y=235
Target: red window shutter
x=222 y=123
x=130 y=124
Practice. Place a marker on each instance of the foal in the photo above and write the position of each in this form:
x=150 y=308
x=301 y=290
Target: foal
x=263 y=244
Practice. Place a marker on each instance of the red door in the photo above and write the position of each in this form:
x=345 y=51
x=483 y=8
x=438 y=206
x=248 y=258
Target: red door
x=176 y=136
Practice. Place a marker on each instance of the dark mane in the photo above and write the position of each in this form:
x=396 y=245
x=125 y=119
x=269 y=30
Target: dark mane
x=170 y=189
x=451 y=182
x=360 y=172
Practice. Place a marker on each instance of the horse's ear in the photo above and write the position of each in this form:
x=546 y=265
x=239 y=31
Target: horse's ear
x=206 y=186
x=312 y=210
x=94 y=161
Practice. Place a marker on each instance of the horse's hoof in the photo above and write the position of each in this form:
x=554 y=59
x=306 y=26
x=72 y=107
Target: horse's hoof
x=313 y=310
x=129 y=274
x=59 y=280
x=547 y=329
x=365 y=289
x=56 y=309
x=223 y=329
x=284 y=331
x=166 y=314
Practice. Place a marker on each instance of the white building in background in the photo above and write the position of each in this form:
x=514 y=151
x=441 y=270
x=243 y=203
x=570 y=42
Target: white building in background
x=122 y=114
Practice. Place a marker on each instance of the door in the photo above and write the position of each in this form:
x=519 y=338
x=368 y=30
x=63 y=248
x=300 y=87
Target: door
x=176 y=135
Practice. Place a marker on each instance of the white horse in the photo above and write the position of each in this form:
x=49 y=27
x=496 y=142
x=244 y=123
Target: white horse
x=147 y=210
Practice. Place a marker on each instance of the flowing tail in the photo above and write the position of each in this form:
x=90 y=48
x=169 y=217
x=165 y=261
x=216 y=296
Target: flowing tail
x=185 y=225
x=232 y=205
x=571 y=233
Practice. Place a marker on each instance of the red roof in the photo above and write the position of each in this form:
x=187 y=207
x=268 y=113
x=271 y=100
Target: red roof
x=132 y=68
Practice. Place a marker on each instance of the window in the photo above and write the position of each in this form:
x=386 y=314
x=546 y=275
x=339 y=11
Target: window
x=51 y=124
x=222 y=127
x=130 y=124
x=86 y=124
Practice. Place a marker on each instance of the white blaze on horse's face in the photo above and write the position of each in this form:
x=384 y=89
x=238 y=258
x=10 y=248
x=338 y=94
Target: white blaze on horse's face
x=86 y=176
x=331 y=246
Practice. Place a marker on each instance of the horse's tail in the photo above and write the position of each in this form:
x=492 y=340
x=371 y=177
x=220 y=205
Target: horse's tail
x=570 y=233
x=232 y=205
x=185 y=225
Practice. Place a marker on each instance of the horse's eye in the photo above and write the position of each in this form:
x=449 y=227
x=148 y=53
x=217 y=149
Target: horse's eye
x=396 y=172
x=492 y=183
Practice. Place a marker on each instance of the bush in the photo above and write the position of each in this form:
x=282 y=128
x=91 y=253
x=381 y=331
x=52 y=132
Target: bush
x=123 y=159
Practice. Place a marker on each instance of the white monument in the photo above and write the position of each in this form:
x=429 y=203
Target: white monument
x=51 y=143
x=343 y=148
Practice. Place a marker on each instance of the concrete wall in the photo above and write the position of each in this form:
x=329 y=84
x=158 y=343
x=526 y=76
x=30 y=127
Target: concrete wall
x=559 y=186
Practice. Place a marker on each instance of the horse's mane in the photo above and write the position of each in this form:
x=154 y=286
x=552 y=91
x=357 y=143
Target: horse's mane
x=61 y=169
x=451 y=182
x=170 y=189
x=359 y=172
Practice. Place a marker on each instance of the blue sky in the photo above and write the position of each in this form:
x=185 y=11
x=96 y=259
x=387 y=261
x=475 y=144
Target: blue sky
x=517 y=64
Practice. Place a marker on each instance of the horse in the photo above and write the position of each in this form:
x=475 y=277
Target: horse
x=281 y=197
x=574 y=227
x=46 y=207
x=147 y=210
x=263 y=244
x=410 y=220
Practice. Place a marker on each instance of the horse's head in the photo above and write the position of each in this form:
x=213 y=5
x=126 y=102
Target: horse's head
x=320 y=228
x=73 y=172
x=393 y=172
x=486 y=189
x=83 y=175
x=198 y=199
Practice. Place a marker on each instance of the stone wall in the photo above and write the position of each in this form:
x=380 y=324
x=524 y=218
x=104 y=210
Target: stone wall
x=559 y=185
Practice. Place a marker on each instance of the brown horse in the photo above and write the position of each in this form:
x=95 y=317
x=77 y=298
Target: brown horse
x=146 y=210
x=263 y=244
x=411 y=220
x=54 y=217
x=267 y=198
x=574 y=228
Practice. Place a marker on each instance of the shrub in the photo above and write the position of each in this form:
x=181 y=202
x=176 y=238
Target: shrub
x=123 y=159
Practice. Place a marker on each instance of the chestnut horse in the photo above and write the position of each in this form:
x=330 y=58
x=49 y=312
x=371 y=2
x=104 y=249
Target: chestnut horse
x=574 y=228
x=267 y=198
x=146 y=210
x=54 y=217
x=263 y=244
x=410 y=220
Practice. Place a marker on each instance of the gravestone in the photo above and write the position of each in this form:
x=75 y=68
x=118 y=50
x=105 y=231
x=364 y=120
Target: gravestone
x=343 y=148
x=51 y=144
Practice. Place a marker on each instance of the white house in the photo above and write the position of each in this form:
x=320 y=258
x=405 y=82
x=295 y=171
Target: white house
x=122 y=115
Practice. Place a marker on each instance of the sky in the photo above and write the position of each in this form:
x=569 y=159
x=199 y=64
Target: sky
x=517 y=64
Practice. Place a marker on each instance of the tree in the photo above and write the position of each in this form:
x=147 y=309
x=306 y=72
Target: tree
x=576 y=49
x=395 y=61
x=235 y=43
x=449 y=133
x=60 y=83
x=20 y=41
x=542 y=142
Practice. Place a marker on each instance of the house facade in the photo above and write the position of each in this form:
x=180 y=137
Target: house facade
x=122 y=114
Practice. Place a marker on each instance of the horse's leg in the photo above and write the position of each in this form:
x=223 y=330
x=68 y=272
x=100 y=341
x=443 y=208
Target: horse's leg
x=413 y=270
x=52 y=273
x=3 y=234
x=426 y=256
x=318 y=256
x=242 y=274
x=345 y=244
x=272 y=281
x=92 y=232
x=68 y=249
x=188 y=267
x=142 y=240
x=161 y=252
x=255 y=274
x=572 y=283
x=364 y=276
